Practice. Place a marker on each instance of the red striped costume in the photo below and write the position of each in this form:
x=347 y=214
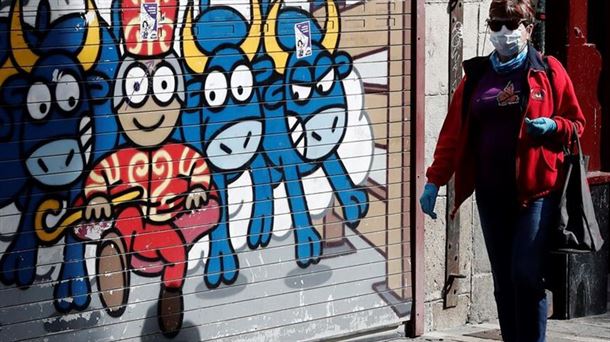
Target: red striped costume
x=164 y=175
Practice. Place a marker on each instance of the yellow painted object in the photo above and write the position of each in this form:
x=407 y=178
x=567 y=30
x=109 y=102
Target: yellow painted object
x=53 y=205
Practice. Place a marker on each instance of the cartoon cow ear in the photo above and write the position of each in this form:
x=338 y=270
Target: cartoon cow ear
x=14 y=91
x=6 y=124
x=343 y=63
x=192 y=92
x=262 y=66
x=99 y=88
x=43 y=16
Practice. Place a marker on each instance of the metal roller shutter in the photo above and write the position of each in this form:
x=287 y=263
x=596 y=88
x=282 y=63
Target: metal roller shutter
x=235 y=170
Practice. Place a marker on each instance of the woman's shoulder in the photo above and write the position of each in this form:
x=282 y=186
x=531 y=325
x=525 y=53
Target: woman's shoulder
x=553 y=64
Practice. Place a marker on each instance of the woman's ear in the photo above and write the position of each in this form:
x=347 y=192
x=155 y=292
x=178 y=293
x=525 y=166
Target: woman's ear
x=530 y=29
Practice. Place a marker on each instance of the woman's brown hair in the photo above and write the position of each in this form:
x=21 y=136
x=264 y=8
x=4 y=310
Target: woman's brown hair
x=522 y=9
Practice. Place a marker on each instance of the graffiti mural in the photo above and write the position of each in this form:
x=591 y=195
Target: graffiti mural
x=189 y=168
x=306 y=111
x=51 y=142
x=230 y=125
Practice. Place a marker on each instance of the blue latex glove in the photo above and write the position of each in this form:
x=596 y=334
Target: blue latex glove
x=540 y=126
x=428 y=200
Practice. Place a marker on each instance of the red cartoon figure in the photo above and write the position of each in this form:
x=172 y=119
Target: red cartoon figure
x=157 y=189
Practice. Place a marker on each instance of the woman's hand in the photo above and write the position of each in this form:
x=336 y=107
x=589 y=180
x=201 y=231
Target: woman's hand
x=428 y=199
x=540 y=126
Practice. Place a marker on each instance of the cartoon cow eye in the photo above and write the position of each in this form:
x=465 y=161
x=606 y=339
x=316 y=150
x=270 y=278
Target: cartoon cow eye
x=215 y=89
x=164 y=84
x=67 y=92
x=326 y=82
x=39 y=101
x=241 y=83
x=300 y=93
x=136 y=85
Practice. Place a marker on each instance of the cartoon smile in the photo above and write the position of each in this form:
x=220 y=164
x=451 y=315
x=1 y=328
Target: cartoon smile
x=149 y=128
x=320 y=134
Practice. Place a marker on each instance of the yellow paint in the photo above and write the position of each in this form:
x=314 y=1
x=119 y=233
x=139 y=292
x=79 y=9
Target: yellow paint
x=52 y=205
x=331 y=37
x=91 y=48
x=6 y=71
x=279 y=56
x=252 y=42
x=23 y=56
x=195 y=59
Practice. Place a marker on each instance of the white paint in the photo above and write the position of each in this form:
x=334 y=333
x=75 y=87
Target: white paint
x=356 y=149
x=9 y=222
x=304 y=4
x=240 y=197
x=198 y=254
x=318 y=193
x=49 y=257
x=379 y=167
x=282 y=221
x=330 y=306
x=103 y=7
x=59 y=8
x=374 y=68
x=86 y=315
x=51 y=219
x=243 y=7
x=90 y=257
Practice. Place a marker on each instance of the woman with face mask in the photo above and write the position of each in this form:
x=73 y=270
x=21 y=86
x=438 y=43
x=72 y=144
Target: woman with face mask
x=502 y=138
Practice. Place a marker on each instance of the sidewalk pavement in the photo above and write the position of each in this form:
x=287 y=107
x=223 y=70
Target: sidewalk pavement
x=586 y=329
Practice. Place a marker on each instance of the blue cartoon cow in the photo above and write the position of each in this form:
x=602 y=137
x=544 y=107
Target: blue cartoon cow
x=306 y=118
x=220 y=50
x=53 y=102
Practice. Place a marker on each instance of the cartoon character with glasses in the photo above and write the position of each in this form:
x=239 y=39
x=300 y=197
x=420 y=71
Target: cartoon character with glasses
x=167 y=199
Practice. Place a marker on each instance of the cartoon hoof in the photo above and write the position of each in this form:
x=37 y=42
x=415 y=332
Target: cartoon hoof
x=308 y=248
x=72 y=294
x=113 y=276
x=171 y=307
x=18 y=267
x=222 y=266
x=355 y=208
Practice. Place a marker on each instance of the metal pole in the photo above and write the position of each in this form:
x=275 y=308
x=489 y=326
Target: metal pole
x=452 y=247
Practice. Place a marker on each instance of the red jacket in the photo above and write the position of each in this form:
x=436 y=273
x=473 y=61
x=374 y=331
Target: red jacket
x=538 y=160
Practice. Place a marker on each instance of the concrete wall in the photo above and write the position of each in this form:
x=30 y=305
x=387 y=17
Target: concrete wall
x=476 y=303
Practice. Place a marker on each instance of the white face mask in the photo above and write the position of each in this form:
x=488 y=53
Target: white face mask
x=508 y=43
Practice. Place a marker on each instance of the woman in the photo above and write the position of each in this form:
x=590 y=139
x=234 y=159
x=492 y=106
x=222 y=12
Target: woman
x=503 y=138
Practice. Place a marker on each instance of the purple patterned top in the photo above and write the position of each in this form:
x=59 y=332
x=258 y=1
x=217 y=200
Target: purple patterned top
x=496 y=119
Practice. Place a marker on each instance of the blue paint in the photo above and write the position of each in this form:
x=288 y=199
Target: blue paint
x=310 y=95
x=56 y=110
x=231 y=131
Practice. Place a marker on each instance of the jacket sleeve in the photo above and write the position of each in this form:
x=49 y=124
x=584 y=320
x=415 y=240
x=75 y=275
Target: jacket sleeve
x=567 y=109
x=443 y=166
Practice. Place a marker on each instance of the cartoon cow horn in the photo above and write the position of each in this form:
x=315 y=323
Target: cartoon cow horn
x=195 y=58
x=274 y=50
x=331 y=37
x=252 y=42
x=23 y=56
x=91 y=48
